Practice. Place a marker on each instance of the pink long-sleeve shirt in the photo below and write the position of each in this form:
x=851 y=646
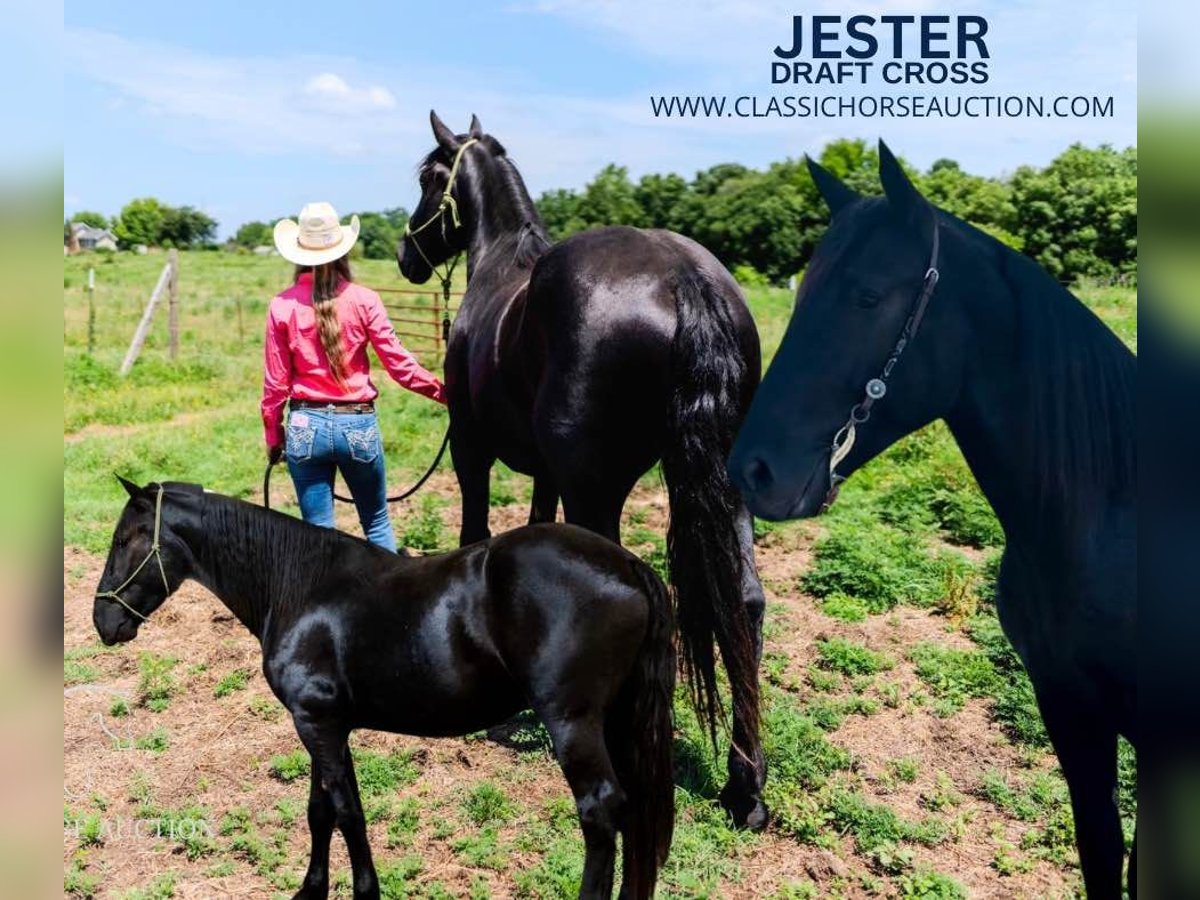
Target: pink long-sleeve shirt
x=295 y=364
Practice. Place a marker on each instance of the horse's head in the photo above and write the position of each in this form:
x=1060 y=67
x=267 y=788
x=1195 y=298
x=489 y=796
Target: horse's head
x=860 y=288
x=147 y=560
x=435 y=231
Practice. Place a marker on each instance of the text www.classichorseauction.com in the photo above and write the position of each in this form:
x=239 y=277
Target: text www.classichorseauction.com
x=951 y=52
x=870 y=106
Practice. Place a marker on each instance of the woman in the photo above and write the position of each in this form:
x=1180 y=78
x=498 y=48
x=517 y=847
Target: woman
x=316 y=363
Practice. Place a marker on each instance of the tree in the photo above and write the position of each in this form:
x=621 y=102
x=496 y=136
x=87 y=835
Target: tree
x=1078 y=216
x=88 y=217
x=984 y=202
x=609 y=199
x=186 y=226
x=140 y=222
x=380 y=232
x=659 y=197
x=254 y=234
x=559 y=211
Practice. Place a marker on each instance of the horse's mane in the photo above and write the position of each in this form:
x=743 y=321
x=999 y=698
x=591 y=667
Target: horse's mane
x=268 y=555
x=508 y=198
x=1082 y=421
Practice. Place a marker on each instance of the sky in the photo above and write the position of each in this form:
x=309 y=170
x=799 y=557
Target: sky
x=248 y=110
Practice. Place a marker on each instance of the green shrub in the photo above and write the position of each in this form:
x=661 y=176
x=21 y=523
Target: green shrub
x=925 y=884
x=156 y=683
x=290 y=766
x=234 y=681
x=872 y=824
x=1014 y=705
x=844 y=608
x=487 y=804
x=955 y=675
x=424 y=531
x=849 y=658
x=877 y=564
x=798 y=753
x=383 y=773
x=156 y=741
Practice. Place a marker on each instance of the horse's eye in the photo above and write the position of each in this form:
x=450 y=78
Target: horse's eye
x=868 y=299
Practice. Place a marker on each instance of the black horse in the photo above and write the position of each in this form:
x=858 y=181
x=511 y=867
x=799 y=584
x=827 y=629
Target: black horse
x=548 y=617
x=584 y=363
x=1040 y=397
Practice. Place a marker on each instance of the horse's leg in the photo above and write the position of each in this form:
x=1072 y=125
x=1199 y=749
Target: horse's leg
x=544 y=507
x=742 y=793
x=330 y=752
x=1087 y=752
x=582 y=754
x=321 y=820
x=595 y=509
x=473 y=467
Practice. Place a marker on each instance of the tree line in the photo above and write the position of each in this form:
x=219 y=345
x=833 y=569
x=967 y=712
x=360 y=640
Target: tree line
x=1076 y=216
x=153 y=223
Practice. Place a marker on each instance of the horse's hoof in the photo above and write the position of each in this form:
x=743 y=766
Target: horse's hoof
x=746 y=810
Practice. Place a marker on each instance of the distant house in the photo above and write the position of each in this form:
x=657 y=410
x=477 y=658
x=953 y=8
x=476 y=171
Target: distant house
x=88 y=237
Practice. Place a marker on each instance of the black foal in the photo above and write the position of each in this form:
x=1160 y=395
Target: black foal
x=548 y=617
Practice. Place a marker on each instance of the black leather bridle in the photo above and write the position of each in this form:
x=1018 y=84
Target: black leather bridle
x=876 y=388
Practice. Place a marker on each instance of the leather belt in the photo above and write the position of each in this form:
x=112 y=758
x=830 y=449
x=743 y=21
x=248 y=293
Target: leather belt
x=334 y=406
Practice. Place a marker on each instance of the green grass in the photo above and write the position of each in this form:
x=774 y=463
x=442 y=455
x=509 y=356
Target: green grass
x=234 y=681
x=850 y=658
x=383 y=773
x=290 y=766
x=423 y=529
x=487 y=804
x=156 y=683
x=879 y=565
x=955 y=675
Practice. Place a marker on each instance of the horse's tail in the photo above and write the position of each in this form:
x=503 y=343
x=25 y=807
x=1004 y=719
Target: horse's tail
x=709 y=372
x=640 y=733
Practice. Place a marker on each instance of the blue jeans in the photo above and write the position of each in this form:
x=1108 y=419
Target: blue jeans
x=319 y=444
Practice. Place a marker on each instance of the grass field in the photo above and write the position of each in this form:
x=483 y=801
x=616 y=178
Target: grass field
x=907 y=758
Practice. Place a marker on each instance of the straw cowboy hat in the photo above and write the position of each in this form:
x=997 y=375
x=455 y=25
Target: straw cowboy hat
x=317 y=238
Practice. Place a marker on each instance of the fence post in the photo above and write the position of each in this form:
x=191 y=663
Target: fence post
x=91 y=289
x=173 y=304
x=139 y=336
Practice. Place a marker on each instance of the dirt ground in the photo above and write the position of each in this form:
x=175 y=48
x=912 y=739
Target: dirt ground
x=219 y=748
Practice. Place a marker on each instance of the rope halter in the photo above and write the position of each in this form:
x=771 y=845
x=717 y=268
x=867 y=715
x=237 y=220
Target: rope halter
x=446 y=203
x=155 y=553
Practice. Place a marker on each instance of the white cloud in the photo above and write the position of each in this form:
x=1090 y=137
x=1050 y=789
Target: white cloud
x=330 y=87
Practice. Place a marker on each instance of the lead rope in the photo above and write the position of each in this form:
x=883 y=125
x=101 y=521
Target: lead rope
x=155 y=552
x=876 y=388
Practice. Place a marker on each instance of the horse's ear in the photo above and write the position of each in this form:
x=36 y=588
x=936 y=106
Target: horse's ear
x=130 y=488
x=442 y=133
x=476 y=130
x=832 y=188
x=901 y=192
